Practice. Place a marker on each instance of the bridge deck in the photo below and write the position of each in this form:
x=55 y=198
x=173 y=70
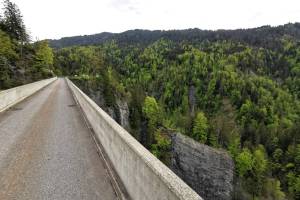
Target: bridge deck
x=47 y=152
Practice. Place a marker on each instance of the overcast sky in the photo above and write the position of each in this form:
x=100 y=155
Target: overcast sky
x=59 y=18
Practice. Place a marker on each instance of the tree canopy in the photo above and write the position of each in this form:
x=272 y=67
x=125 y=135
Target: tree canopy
x=21 y=61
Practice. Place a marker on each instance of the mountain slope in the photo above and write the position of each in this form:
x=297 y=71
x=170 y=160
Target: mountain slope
x=265 y=36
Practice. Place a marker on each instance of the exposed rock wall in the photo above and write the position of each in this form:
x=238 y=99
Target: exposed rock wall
x=119 y=111
x=207 y=170
x=124 y=114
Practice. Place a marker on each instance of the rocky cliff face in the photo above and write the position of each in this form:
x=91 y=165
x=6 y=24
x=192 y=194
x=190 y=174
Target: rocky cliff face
x=207 y=170
x=119 y=111
x=123 y=114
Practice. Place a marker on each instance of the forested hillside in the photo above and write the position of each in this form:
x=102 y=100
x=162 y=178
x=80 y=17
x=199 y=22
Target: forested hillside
x=237 y=90
x=20 y=60
x=266 y=36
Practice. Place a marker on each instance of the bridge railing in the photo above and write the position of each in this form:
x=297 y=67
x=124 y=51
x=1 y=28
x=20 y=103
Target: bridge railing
x=14 y=95
x=142 y=174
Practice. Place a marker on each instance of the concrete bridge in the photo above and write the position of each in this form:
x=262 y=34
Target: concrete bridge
x=56 y=143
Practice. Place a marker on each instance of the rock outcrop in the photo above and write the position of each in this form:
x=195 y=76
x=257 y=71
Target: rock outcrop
x=123 y=114
x=207 y=170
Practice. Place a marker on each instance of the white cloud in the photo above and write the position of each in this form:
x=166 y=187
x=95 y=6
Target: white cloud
x=59 y=18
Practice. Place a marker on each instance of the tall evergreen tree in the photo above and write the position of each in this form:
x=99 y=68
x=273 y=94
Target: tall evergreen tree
x=200 y=128
x=13 y=23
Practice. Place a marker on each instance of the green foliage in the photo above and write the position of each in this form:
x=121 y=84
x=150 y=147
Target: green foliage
x=162 y=145
x=294 y=185
x=21 y=62
x=43 y=60
x=7 y=53
x=152 y=110
x=234 y=147
x=268 y=37
x=244 y=162
x=200 y=128
x=7 y=47
x=13 y=23
x=153 y=114
x=80 y=60
x=273 y=190
x=5 y=73
x=135 y=112
x=44 y=53
x=212 y=139
x=260 y=161
x=260 y=164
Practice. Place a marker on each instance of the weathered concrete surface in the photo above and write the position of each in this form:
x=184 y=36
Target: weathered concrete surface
x=207 y=170
x=143 y=175
x=47 y=152
x=14 y=95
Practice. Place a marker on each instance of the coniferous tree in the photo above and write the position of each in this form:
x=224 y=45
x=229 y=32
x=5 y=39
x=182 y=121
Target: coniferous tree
x=200 y=128
x=153 y=113
x=13 y=22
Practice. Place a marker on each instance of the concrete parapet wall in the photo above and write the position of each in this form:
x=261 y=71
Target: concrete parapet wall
x=142 y=174
x=12 y=96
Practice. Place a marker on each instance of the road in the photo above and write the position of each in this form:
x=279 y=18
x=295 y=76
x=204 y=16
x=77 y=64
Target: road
x=47 y=152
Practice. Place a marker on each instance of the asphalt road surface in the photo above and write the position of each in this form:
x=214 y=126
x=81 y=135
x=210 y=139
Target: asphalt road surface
x=47 y=152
